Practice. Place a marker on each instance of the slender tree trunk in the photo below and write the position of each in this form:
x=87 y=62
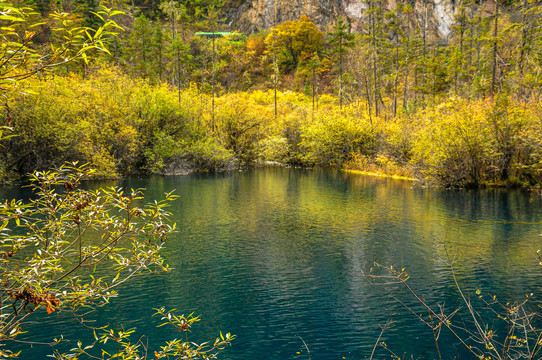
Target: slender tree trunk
x=213 y=88
x=434 y=90
x=316 y=92
x=204 y=65
x=177 y=80
x=275 y=85
x=160 y=62
x=471 y=41
x=405 y=85
x=173 y=35
x=424 y=35
x=522 y=49
x=375 y=79
x=478 y=51
x=459 y=67
x=495 y=48
x=368 y=94
x=178 y=77
x=340 y=74
x=416 y=76
x=461 y=34
x=275 y=65
x=396 y=78
x=313 y=91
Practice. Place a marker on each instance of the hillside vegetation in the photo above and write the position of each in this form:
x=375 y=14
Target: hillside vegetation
x=392 y=99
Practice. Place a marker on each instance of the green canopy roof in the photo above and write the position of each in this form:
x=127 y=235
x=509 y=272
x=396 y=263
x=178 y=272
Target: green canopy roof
x=218 y=34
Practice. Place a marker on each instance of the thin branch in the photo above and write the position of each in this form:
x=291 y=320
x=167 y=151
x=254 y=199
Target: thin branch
x=383 y=329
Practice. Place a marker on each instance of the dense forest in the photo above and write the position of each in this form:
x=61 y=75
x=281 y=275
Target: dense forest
x=175 y=89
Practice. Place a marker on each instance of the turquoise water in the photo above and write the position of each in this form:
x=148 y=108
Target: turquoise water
x=276 y=255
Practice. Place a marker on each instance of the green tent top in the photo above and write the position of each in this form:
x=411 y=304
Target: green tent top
x=219 y=34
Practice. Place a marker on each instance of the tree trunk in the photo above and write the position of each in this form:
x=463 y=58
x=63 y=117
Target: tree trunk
x=375 y=79
x=340 y=74
x=395 y=84
x=405 y=85
x=275 y=65
x=424 y=35
x=495 y=48
x=213 y=88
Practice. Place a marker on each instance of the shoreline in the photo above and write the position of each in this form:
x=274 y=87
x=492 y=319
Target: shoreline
x=371 y=173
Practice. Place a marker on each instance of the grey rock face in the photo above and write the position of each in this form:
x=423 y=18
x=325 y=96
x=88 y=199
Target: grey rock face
x=255 y=15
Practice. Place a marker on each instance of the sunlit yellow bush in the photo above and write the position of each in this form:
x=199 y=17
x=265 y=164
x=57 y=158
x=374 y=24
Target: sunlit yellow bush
x=123 y=125
x=106 y=119
x=472 y=143
x=334 y=137
x=453 y=144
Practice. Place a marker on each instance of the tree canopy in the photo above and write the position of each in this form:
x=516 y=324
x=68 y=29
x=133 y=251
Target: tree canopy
x=295 y=40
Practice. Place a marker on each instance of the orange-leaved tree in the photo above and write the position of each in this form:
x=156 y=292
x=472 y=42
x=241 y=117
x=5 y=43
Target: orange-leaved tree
x=293 y=39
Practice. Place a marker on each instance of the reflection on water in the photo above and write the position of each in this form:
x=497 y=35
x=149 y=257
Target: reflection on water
x=276 y=254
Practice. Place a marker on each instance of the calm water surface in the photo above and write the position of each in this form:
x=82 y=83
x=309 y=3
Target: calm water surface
x=274 y=255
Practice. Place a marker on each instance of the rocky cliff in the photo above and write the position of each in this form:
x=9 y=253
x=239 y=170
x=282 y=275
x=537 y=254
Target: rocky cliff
x=254 y=15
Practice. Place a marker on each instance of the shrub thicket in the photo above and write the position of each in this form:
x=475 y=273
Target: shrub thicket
x=124 y=126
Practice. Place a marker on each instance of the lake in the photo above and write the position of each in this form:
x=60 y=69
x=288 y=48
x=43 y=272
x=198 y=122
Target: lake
x=275 y=256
